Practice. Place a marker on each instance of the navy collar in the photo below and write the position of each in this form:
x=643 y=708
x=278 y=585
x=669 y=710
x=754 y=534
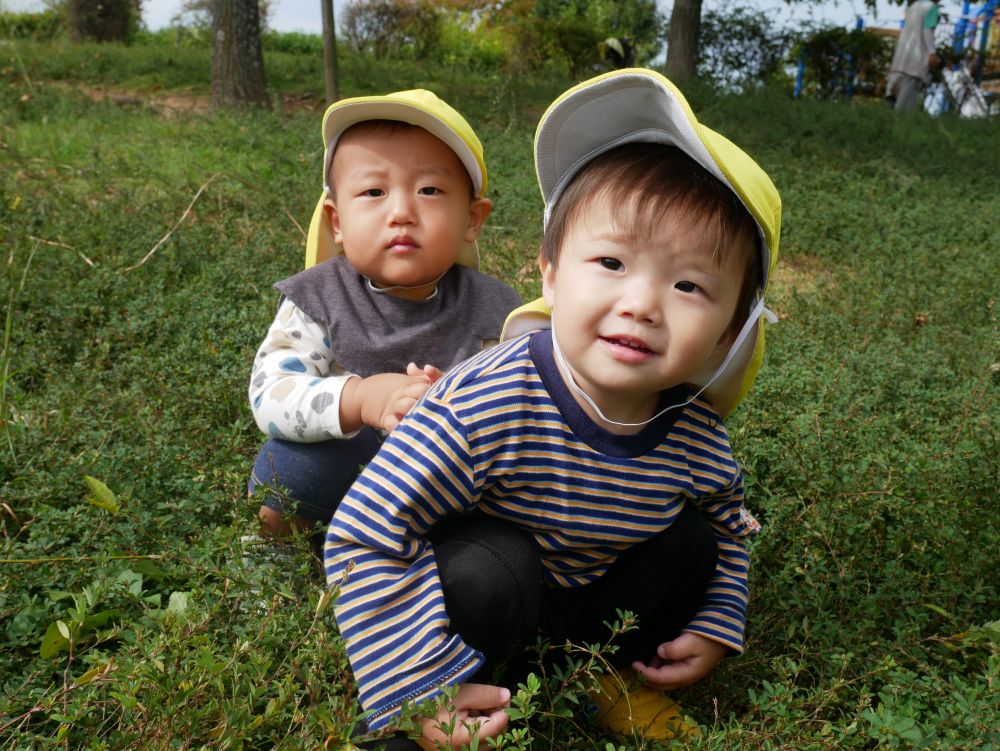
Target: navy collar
x=583 y=427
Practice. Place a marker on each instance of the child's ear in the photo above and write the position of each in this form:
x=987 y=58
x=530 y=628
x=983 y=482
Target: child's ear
x=548 y=281
x=333 y=217
x=479 y=209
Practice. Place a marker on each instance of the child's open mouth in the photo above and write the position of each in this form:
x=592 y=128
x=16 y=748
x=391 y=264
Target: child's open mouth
x=627 y=348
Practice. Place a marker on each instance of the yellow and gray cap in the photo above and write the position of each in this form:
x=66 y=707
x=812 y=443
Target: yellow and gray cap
x=640 y=105
x=417 y=107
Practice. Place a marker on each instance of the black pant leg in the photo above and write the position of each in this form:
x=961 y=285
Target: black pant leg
x=662 y=581
x=491 y=576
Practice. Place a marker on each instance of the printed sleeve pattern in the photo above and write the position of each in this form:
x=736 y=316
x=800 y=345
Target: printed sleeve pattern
x=295 y=386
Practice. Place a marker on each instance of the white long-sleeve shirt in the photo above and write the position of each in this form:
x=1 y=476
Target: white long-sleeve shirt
x=296 y=384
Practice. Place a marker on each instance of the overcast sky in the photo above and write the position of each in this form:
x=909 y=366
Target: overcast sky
x=304 y=15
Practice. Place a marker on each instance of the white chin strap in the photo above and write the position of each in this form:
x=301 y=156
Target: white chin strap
x=758 y=310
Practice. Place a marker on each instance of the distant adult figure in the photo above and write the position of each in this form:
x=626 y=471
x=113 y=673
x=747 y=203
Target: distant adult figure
x=914 y=56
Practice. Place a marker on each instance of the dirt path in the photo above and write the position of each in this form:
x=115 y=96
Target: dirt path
x=173 y=103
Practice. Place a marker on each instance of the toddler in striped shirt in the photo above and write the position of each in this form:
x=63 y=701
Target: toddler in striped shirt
x=582 y=466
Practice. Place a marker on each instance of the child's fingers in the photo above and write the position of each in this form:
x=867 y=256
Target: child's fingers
x=668 y=676
x=415 y=390
x=396 y=411
x=481 y=696
x=465 y=728
x=430 y=372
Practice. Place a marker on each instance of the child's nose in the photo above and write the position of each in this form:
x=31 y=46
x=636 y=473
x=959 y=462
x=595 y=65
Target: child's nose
x=641 y=303
x=402 y=210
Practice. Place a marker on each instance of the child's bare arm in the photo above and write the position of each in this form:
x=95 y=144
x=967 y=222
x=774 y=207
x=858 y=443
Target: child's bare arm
x=681 y=662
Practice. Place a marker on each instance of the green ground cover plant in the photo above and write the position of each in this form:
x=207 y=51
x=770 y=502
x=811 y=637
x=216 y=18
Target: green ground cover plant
x=138 y=253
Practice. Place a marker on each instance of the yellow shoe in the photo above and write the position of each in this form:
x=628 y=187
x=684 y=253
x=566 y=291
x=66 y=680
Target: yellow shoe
x=626 y=706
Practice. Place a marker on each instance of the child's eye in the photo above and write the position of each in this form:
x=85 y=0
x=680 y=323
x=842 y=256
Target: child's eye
x=429 y=191
x=612 y=264
x=686 y=287
x=373 y=192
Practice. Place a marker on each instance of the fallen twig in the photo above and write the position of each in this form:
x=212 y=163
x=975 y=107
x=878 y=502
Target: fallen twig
x=176 y=224
x=98 y=558
x=297 y=225
x=56 y=244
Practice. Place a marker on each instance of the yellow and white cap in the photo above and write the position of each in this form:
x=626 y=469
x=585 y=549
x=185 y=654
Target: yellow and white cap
x=640 y=105
x=418 y=107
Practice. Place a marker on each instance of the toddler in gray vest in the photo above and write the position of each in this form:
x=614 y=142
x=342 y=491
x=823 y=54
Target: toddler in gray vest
x=390 y=297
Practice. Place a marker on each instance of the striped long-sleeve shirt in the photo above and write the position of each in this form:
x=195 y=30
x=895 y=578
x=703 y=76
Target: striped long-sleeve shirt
x=501 y=433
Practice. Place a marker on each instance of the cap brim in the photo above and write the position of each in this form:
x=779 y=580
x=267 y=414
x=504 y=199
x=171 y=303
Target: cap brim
x=342 y=115
x=638 y=105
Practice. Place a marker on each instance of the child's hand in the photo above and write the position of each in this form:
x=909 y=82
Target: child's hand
x=428 y=371
x=402 y=400
x=479 y=713
x=382 y=401
x=685 y=660
x=373 y=400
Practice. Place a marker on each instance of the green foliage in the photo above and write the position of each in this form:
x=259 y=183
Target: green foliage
x=101 y=65
x=833 y=54
x=638 y=21
x=37 y=26
x=562 y=45
x=559 y=36
x=479 y=48
x=740 y=47
x=292 y=43
x=128 y=618
x=567 y=35
x=392 y=28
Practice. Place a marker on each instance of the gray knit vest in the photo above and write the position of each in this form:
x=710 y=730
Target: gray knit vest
x=373 y=333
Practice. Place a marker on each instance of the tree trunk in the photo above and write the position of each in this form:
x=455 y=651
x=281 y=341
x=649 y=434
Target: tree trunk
x=682 y=39
x=330 y=73
x=238 y=77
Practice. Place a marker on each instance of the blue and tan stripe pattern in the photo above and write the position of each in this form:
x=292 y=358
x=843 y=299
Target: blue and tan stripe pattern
x=501 y=433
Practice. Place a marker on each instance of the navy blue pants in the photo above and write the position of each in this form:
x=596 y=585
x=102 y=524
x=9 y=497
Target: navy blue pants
x=310 y=479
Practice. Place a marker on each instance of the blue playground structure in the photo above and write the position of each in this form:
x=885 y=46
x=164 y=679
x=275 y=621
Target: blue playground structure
x=844 y=72
x=976 y=34
x=969 y=25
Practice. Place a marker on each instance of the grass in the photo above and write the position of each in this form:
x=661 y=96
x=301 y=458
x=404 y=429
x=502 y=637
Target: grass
x=870 y=440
